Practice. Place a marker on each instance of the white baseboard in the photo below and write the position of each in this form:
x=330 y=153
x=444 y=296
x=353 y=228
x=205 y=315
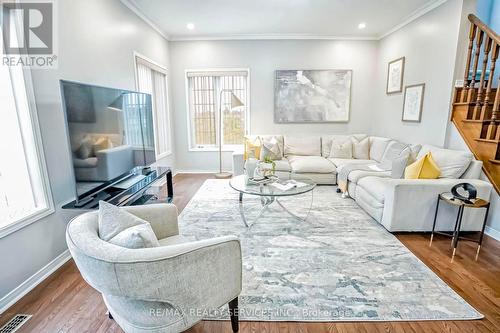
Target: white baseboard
x=15 y=295
x=492 y=233
x=200 y=171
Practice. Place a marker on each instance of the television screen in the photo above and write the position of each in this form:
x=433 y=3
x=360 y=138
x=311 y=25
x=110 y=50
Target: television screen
x=110 y=133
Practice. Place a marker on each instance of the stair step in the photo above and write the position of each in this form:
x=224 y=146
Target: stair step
x=472 y=121
x=495 y=161
x=488 y=140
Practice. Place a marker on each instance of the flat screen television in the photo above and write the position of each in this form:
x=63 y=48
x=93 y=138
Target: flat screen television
x=110 y=134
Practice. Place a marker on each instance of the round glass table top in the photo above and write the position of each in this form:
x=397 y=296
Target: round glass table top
x=300 y=185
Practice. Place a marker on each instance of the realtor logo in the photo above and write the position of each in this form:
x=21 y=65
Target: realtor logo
x=28 y=33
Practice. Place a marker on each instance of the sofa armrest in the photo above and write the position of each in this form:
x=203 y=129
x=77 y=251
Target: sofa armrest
x=198 y=275
x=238 y=163
x=409 y=204
x=162 y=217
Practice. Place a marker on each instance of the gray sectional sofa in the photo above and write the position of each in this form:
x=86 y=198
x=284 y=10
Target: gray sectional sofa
x=397 y=204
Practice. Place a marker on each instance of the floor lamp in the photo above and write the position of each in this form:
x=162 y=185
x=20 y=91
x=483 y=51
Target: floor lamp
x=235 y=102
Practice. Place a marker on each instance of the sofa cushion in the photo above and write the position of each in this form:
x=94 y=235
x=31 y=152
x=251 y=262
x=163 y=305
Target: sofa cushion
x=399 y=166
x=312 y=164
x=423 y=168
x=137 y=237
x=341 y=162
x=112 y=220
x=282 y=165
x=326 y=142
x=252 y=144
x=271 y=148
x=394 y=150
x=356 y=175
x=303 y=145
x=360 y=148
x=341 y=150
x=376 y=187
x=377 y=147
x=452 y=163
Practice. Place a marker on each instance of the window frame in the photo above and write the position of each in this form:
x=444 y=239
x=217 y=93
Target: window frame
x=225 y=148
x=138 y=57
x=14 y=226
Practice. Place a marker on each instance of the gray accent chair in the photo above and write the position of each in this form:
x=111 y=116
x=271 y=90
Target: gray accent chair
x=162 y=289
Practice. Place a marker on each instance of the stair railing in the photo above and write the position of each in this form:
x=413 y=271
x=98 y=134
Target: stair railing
x=478 y=95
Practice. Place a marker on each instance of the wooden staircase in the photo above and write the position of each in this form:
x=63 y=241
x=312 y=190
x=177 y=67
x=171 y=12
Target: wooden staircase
x=476 y=112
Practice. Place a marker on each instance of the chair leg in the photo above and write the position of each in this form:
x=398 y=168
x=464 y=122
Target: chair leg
x=233 y=312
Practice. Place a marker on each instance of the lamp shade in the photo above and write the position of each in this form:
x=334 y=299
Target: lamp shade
x=235 y=101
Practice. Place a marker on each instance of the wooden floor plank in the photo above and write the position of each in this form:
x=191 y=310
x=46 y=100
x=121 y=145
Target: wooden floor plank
x=65 y=303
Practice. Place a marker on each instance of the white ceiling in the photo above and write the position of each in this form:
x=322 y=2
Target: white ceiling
x=254 y=19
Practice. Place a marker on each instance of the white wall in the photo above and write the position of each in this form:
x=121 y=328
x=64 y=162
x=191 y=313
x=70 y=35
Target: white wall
x=263 y=58
x=96 y=44
x=429 y=45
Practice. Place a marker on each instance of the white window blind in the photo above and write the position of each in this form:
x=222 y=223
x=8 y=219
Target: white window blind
x=204 y=88
x=24 y=190
x=152 y=79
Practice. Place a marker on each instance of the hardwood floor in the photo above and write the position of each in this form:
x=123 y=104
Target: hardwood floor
x=65 y=303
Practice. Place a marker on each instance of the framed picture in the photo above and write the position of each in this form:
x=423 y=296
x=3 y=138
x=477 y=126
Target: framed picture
x=312 y=96
x=413 y=102
x=395 y=72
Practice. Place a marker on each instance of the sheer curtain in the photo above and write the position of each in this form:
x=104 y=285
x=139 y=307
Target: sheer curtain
x=153 y=80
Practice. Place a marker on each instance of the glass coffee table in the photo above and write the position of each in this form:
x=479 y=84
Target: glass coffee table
x=269 y=194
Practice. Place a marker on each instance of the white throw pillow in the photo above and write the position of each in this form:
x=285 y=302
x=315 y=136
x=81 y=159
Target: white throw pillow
x=452 y=163
x=341 y=150
x=270 y=148
x=360 y=148
x=112 y=220
x=137 y=237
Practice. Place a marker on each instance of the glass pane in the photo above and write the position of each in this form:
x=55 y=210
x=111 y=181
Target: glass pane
x=234 y=119
x=203 y=110
x=21 y=188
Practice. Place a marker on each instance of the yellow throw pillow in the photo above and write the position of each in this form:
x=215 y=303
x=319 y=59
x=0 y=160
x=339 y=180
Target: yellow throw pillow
x=424 y=168
x=253 y=145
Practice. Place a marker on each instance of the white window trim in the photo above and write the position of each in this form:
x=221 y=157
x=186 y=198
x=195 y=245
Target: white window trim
x=50 y=209
x=162 y=69
x=225 y=148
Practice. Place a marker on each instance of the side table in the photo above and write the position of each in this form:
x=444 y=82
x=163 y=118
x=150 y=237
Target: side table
x=448 y=198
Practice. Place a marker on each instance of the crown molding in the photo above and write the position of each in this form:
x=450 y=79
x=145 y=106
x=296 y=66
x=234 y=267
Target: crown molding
x=132 y=5
x=431 y=5
x=267 y=37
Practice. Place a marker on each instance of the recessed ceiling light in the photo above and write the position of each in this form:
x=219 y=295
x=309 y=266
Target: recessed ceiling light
x=190 y=26
x=362 y=25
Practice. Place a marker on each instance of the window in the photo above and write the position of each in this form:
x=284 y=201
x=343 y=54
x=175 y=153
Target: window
x=152 y=79
x=204 y=89
x=24 y=190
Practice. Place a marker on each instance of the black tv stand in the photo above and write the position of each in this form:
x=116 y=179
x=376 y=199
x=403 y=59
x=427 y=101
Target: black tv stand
x=155 y=187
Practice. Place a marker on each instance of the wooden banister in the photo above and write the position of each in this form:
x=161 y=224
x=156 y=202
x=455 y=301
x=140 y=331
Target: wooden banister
x=483 y=27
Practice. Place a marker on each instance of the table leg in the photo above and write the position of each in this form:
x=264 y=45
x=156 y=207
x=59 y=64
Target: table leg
x=456 y=224
x=242 y=213
x=435 y=218
x=482 y=231
x=294 y=215
x=457 y=237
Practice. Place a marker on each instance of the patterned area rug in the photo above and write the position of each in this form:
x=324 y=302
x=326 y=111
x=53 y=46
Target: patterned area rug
x=338 y=265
